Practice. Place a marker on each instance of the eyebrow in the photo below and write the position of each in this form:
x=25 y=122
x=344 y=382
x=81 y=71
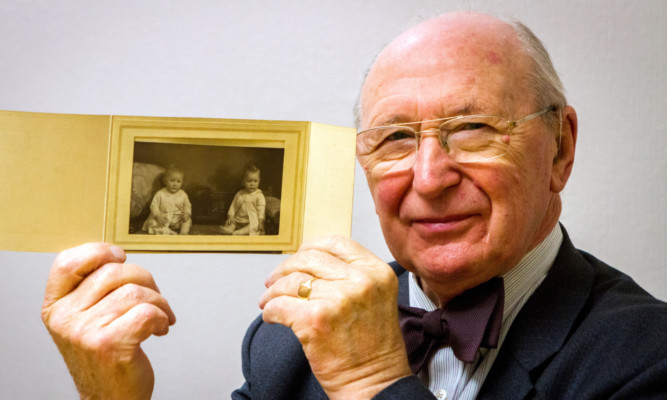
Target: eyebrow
x=393 y=120
x=470 y=106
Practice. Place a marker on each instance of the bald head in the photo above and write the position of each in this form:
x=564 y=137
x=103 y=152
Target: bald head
x=464 y=33
x=460 y=42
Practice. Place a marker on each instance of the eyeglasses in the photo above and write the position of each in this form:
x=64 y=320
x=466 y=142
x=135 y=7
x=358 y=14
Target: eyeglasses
x=466 y=138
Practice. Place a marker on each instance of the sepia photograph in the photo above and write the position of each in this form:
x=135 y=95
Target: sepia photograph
x=190 y=189
x=188 y=184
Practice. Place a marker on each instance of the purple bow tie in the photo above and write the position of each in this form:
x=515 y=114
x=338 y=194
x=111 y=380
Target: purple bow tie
x=470 y=320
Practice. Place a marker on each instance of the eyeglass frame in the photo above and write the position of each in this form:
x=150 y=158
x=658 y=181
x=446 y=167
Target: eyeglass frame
x=510 y=126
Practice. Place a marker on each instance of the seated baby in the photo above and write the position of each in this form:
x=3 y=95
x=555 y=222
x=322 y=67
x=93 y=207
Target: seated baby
x=246 y=213
x=171 y=210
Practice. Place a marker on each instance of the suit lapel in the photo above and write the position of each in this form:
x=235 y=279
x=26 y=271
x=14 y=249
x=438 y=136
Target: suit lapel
x=403 y=291
x=542 y=326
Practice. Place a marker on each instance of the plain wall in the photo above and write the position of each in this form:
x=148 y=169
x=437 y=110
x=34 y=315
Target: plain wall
x=304 y=60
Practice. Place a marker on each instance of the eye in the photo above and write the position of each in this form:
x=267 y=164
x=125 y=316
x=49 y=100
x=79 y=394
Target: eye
x=399 y=135
x=471 y=126
x=386 y=142
x=476 y=125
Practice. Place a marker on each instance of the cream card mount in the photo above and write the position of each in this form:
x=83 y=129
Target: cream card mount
x=78 y=178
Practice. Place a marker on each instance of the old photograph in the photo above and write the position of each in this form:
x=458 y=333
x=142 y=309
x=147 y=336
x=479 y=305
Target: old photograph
x=201 y=189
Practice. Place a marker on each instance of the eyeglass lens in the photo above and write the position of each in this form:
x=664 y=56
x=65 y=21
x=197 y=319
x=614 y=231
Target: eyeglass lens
x=465 y=139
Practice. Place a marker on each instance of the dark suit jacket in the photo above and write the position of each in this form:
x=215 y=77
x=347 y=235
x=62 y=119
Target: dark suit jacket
x=588 y=332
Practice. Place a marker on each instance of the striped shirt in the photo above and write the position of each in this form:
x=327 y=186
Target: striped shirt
x=448 y=377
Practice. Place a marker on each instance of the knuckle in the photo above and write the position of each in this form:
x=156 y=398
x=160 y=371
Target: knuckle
x=304 y=253
x=269 y=311
x=334 y=242
x=143 y=274
x=318 y=318
x=298 y=260
x=361 y=283
x=108 y=272
x=132 y=292
x=365 y=286
x=328 y=241
x=346 y=304
x=310 y=258
x=339 y=298
x=294 y=280
x=79 y=334
x=336 y=239
x=388 y=278
x=146 y=312
x=274 y=309
x=100 y=343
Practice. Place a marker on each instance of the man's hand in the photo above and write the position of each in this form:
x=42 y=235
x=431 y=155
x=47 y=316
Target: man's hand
x=98 y=311
x=349 y=327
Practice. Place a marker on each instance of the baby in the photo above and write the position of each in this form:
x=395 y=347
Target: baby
x=246 y=213
x=170 y=209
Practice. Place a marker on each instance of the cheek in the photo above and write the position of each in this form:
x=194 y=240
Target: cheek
x=388 y=193
x=518 y=194
x=500 y=184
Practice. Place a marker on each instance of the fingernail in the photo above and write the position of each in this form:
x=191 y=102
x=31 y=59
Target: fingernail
x=118 y=252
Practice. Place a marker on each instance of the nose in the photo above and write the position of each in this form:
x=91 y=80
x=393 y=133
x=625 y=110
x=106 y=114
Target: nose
x=434 y=171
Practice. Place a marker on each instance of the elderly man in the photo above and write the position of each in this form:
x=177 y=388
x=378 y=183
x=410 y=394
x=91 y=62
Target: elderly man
x=466 y=142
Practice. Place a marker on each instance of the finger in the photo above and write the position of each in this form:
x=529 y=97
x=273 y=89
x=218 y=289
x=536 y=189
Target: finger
x=105 y=280
x=325 y=255
x=138 y=324
x=313 y=262
x=285 y=310
x=343 y=248
x=73 y=265
x=286 y=286
x=358 y=260
x=123 y=299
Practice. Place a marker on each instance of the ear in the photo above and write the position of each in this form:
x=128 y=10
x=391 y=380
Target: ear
x=564 y=160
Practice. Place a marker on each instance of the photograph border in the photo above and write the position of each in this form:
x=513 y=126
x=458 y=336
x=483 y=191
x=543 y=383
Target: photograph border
x=288 y=135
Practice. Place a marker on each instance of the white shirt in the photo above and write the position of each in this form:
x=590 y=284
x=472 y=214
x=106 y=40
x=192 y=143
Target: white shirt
x=448 y=377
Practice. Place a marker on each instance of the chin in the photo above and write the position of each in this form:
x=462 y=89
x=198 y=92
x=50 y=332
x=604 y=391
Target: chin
x=453 y=262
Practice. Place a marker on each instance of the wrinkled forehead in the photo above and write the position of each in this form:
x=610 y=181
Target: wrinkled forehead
x=468 y=48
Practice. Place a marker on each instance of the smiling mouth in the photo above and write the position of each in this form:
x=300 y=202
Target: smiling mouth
x=443 y=220
x=444 y=224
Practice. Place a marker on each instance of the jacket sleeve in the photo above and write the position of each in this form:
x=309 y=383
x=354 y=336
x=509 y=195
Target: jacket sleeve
x=244 y=392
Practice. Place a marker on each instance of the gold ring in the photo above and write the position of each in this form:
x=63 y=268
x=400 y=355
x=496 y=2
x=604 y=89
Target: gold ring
x=305 y=288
